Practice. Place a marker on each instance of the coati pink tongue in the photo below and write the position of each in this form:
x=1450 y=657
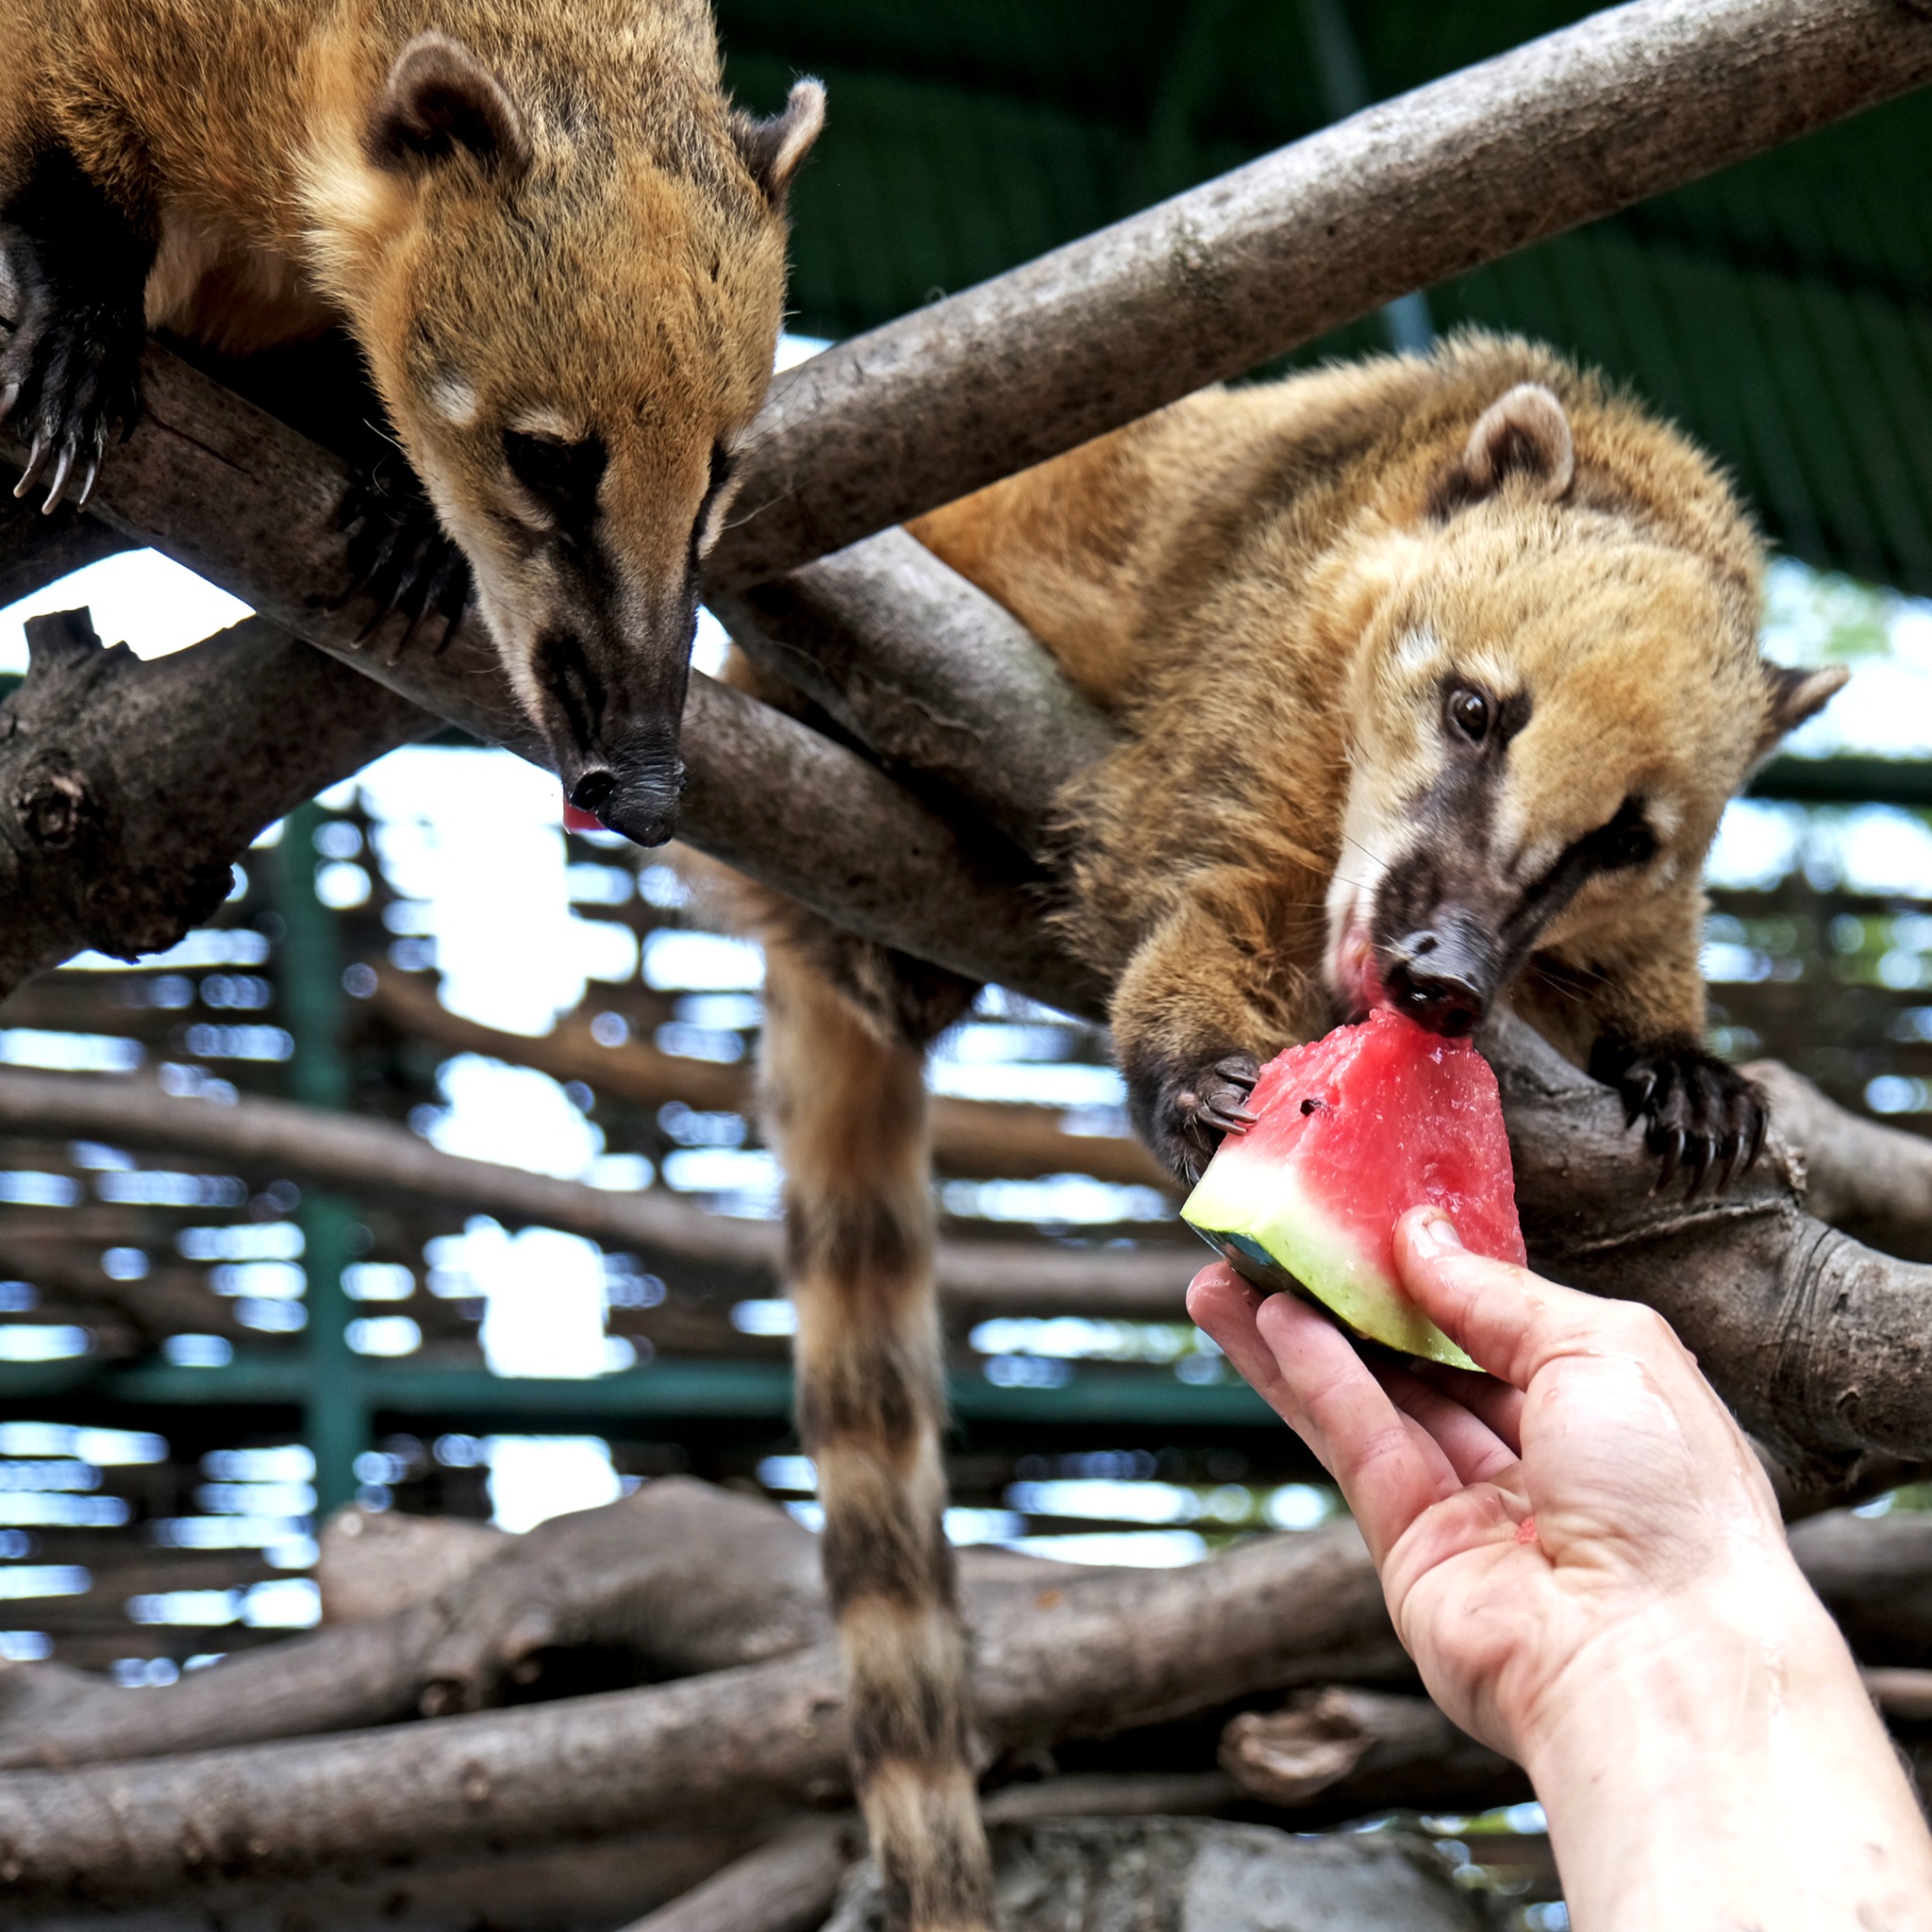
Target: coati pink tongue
x=1353 y=1130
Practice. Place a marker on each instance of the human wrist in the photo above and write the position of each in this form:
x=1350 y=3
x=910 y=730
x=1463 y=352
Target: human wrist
x=1706 y=1752
x=1652 y=1668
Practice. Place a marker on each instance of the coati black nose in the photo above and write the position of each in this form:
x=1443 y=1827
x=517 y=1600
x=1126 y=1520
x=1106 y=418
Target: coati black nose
x=592 y=791
x=643 y=805
x=1441 y=977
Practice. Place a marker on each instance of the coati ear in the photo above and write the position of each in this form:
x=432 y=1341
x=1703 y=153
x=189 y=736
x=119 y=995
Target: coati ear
x=774 y=150
x=440 y=98
x=1796 y=696
x=1523 y=433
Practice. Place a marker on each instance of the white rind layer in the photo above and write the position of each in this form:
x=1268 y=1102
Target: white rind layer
x=1244 y=1192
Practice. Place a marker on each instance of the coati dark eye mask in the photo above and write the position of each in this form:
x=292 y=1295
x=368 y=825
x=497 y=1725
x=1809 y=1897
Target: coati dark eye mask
x=564 y=476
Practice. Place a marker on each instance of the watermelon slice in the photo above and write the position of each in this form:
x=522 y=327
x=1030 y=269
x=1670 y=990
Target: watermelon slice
x=1353 y=1130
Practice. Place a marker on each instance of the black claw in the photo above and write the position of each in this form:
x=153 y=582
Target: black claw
x=1698 y=1113
x=1701 y=1150
x=35 y=462
x=1668 y=1142
x=1733 y=1150
x=56 y=483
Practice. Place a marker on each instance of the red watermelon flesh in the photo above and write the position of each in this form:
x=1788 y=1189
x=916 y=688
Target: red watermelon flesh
x=1353 y=1130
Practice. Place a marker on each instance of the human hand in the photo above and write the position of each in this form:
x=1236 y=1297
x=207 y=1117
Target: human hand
x=1585 y=1559
x=1516 y=1518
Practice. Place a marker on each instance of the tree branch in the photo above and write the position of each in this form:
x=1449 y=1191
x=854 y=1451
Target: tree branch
x=979 y=1139
x=277 y=1138
x=1870 y=1182
x=927 y=670
x=250 y=505
x=1626 y=104
x=119 y=822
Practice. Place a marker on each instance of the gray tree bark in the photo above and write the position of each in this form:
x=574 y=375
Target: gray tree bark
x=128 y=790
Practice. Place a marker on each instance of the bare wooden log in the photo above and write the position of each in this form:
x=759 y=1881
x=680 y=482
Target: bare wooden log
x=1347 y=1750
x=1871 y=1182
x=371 y=1563
x=128 y=790
x=1875 y=1575
x=1434 y=183
x=1086 y=1656
x=979 y=1138
x=786 y=1885
x=277 y=1138
x=243 y=499
x=1903 y=1695
x=925 y=668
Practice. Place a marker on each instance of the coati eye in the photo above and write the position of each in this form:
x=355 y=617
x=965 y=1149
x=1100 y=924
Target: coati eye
x=1470 y=713
x=565 y=474
x=1630 y=845
x=1628 y=840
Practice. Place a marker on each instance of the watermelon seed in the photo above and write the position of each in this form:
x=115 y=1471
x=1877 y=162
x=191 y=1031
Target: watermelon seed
x=1312 y=1105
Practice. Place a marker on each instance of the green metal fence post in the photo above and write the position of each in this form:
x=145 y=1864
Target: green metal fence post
x=336 y=1412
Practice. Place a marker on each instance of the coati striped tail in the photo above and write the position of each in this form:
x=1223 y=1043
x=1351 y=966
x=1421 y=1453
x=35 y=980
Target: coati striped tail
x=847 y=1108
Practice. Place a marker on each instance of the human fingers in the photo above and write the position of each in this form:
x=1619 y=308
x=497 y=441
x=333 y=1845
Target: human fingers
x=1388 y=1467
x=1496 y=1403
x=1223 y=1306
x=1472 y=1448
x=1514 y=1322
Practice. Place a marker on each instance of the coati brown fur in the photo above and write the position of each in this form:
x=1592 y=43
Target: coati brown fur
x=559 y=246
x=1433 y=676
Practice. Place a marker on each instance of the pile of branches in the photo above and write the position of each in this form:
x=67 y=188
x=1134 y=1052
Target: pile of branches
x=444 y=1735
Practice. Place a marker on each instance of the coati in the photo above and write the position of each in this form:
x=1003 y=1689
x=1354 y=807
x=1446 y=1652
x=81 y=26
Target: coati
x=1433 y=676
x=559 y=246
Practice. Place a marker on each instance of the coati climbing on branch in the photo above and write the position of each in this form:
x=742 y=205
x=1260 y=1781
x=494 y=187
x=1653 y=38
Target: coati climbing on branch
x=558 y=246
x=1433 y=676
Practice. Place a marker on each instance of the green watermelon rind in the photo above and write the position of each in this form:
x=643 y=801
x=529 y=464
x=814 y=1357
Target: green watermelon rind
x=1290 y=1242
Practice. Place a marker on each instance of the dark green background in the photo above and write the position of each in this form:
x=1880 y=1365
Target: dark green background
x=1781 y=311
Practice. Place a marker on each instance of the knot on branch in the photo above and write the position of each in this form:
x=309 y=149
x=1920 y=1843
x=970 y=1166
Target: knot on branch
x=128 y=917
x=53 y=802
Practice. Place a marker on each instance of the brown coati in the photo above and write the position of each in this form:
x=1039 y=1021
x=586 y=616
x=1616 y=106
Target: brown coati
x=1433 y=676
x=559 y=246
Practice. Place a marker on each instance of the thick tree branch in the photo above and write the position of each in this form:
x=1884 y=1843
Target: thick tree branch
x=243 y=499
x=676 y=1580
x=928 y=671
x=277 y=1138
x=1626 y=104
x=36 y=550
x=1060 y=1656
x=1871 y=1182
x=1084 y=1657
x=128 y=790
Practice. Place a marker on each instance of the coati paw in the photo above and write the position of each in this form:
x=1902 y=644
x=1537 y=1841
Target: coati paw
x=399 y=557
x=1697 y=1111
x=70 y=376
x=1192 y=1110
